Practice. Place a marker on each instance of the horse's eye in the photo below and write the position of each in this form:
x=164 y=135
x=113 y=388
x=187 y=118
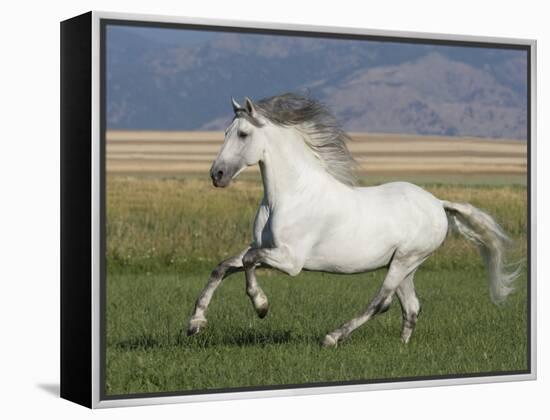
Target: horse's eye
x=242 y=134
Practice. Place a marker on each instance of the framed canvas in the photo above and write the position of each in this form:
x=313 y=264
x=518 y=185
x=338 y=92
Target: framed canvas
x=361 y=202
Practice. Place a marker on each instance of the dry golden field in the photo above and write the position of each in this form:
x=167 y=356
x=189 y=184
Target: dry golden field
x=192 y=152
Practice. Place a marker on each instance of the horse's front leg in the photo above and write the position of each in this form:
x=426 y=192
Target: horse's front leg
x=279 y=258
x=222 y=270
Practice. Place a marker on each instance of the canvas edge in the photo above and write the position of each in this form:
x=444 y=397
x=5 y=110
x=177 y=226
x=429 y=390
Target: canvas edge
x=294 y=392
x=96 y=211
x=533 y=204
x=75 y=241
x=309 y=28
x=96 y=228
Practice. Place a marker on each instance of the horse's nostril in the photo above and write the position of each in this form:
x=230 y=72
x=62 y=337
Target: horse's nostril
x=219 y=174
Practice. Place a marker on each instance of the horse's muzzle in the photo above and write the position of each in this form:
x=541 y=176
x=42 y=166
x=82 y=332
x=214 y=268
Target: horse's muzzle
x=220 y=175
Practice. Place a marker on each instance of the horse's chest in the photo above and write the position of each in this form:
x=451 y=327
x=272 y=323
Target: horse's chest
x=263 y=234
x=266 y=236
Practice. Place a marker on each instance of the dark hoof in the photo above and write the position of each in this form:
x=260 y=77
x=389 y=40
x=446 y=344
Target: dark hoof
x=262 y=311
x=195 y=325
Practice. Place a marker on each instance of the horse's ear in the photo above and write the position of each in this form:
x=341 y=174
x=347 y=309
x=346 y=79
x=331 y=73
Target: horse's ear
x=250 y=107
x=236 y=106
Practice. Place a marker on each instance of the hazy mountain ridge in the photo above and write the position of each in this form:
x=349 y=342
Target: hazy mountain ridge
x=402 y=88
x=432 y=95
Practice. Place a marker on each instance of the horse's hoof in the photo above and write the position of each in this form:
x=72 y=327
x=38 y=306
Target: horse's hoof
x=329 y=341
x=263 y=310
x=195 y=326
x=406 y=335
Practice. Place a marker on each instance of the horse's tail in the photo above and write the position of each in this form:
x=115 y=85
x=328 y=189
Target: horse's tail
x=479 y=227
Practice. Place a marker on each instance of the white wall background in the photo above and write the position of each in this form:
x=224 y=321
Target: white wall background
x=29 y=230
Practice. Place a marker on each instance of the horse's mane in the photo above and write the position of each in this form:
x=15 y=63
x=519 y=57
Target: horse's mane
x=322 y=133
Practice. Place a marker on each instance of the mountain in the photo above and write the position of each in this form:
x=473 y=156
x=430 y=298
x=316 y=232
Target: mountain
x=431 y=95
x=370 y=86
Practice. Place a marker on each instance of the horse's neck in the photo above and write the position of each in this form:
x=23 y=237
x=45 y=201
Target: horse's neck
x=290 y=171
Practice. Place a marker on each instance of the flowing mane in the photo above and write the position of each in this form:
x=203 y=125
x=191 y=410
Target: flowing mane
x=322 y=133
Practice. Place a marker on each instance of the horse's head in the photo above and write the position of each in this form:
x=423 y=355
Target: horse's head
x=243 y=146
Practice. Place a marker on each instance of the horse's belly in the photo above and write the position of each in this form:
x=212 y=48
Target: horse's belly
x=346 y=257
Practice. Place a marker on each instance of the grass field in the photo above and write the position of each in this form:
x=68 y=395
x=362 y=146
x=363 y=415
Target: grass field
x=164 y=235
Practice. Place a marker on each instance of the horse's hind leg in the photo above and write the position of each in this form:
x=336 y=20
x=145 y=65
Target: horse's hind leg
x=222 y=270
x=397 y=272
x=410 y=306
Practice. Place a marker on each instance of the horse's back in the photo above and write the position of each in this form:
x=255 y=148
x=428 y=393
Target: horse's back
x=396 y=189
x=400 y=196
x=402 y=200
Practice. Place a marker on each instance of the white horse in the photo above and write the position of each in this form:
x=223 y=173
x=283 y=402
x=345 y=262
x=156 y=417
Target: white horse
x=312 y=217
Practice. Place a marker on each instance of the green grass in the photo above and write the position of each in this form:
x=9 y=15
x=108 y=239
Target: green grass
x=460 y=331
x=165 y=236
